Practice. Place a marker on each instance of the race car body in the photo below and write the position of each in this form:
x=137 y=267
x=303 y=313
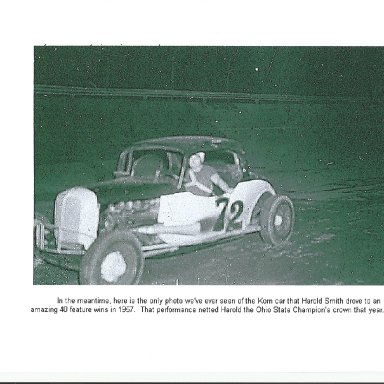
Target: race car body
x=146 y=209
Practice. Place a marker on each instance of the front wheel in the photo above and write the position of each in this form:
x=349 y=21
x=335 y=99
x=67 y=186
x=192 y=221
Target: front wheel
x=114 y=258
x=276 y=219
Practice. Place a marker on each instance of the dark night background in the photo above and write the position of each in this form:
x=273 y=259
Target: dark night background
x=311 y=119
x=307 y=71
x=78 y=121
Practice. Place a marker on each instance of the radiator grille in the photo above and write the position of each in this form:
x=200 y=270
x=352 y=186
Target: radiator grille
x=76 y=218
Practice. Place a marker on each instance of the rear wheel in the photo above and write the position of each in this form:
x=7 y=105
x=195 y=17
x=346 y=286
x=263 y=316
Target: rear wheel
x=114 y=258
x=276 y=219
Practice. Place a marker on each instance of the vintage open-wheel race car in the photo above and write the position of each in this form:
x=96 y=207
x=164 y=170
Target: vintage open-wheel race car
x=108 y=229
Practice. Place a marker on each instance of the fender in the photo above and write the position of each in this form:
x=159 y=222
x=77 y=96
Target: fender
x=249 y=193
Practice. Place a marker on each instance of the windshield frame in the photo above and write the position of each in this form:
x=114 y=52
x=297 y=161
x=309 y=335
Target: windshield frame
x=126 y=159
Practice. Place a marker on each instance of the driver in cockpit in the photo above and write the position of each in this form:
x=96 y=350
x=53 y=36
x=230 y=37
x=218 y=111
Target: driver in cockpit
x=201 y=178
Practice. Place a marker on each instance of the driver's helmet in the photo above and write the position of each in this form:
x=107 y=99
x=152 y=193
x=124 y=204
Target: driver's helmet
x=200 y=155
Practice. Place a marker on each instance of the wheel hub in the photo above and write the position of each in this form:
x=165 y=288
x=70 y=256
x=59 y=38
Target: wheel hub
x=113 y=267
x=278 y=220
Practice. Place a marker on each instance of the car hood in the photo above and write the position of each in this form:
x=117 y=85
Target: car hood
x=128 y=189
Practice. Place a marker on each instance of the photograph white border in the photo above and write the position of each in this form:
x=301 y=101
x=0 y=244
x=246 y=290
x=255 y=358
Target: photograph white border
x=176 y=348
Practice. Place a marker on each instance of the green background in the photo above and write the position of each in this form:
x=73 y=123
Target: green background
x=310 y=118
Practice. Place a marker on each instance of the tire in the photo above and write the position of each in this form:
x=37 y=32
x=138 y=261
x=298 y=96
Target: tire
x=256 y=212
x=114 y=258
x=276 y=220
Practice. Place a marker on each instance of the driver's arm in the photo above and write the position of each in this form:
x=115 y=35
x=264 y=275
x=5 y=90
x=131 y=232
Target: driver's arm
x=196 y=183
x=192 y=177
x=216 y=179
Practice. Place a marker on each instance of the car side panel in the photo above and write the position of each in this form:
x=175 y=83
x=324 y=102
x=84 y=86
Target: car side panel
x=187 y=209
